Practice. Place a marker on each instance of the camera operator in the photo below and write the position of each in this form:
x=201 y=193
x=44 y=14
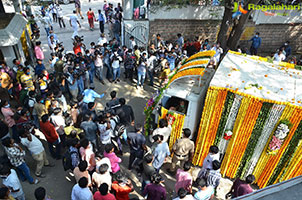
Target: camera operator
x=85 y=68
x=72 y=84
x=78 y=45
x=79 y=75
x=98 y=62
x=59 y=49
x=90 y=65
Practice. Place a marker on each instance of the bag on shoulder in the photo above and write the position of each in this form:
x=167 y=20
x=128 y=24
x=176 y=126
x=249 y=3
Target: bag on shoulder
x=119 y=127
x=67 y=160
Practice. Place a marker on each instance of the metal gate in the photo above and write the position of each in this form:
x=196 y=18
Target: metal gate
x=140 y=32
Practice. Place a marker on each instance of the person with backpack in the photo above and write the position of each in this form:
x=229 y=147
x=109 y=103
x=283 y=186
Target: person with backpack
x=71 y=158
x=113 y=104
x=118 y=130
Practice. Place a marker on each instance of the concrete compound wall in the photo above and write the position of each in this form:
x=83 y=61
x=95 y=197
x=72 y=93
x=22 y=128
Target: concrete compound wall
x=273 y=35
x=188 y=28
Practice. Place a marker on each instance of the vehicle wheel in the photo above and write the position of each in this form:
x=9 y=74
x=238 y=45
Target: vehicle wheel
x=66 y=1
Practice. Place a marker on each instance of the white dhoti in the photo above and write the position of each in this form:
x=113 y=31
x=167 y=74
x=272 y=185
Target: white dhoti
x=75 y=30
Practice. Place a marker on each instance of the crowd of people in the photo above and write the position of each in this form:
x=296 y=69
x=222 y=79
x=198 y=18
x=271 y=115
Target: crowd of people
x=57 y=97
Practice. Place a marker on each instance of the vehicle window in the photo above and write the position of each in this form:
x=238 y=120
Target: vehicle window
x=176 y=104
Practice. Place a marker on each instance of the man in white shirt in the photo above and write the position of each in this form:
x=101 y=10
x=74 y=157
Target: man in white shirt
x=102 y=176
x=279 y=57
x=36 y=149
x=10 y=179
x=53 y=60
x=80 y=191
x=47 y=23
x=74 y=23
x=132 y=43
x=183 y=195
x=204 y=192
x=218 y=51
x=102 y=40
x=59 y=123
x=164 y=129
x=213 y=155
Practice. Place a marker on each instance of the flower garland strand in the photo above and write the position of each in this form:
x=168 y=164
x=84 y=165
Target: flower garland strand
x=177 y=125
x=231 y=118
x=244 y=135
x=214 y=121
x=201 y=54
x=240 y=117
x=224 y=116
x=295 y=169
x=204 y=124
x=274 y=115
x=263 y=116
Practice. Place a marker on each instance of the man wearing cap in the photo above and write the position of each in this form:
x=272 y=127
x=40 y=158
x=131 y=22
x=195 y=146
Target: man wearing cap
x=183 y=150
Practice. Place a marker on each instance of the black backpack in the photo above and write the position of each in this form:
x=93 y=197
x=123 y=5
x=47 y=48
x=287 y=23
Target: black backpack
x=67 y=160
x=119 y=127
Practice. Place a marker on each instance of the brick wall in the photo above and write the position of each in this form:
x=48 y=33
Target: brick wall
x=273 y=35
x=188 y=28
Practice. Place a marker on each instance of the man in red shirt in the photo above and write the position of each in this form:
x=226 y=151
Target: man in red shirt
x=103 y=193
x=241 y=188
x=51 y=136
x=122 y=187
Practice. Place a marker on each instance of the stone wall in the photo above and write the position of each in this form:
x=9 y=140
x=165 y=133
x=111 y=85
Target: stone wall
x=190 y=29
x=273 y=35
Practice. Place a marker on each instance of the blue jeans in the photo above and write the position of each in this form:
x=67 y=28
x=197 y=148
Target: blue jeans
x=117 y=36
x=47 y=31
x=109 y=73
x=36 y=121
x=150 y=75
x=55 y=154
x=116 y=73
x=15 y=134
x=80 y=85
x=140 y=78
x=25 y=173
x=99 y=73
x=144 y=183
x=91 y=73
